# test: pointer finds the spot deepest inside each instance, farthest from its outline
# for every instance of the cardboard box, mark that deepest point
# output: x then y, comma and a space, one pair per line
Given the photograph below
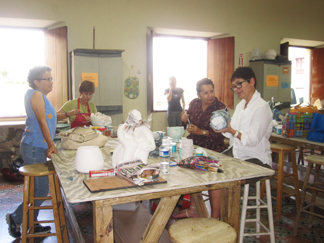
102, 173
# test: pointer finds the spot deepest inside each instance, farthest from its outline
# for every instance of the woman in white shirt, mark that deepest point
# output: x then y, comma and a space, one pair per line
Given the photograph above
249, 130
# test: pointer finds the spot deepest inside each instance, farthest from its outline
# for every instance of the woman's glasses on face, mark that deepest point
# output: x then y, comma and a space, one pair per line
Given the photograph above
238, 85
48, 79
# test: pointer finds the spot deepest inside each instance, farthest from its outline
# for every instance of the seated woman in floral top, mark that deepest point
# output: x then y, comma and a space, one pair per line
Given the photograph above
197, 120
199, 114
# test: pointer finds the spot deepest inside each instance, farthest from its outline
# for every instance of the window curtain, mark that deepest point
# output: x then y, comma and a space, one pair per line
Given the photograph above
220, 67
56, 56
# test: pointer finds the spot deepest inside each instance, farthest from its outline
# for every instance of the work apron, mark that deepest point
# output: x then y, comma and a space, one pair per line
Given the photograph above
79, 120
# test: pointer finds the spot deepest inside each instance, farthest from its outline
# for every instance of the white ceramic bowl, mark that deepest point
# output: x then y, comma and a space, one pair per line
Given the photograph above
270, 54
88, 158
175, 132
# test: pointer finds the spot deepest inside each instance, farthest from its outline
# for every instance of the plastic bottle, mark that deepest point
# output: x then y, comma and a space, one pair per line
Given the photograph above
173, 147
164, 153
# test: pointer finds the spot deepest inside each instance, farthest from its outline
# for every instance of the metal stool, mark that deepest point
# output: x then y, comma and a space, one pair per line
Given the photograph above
318, 160
204, 230
283, 149
259, 204
30, 172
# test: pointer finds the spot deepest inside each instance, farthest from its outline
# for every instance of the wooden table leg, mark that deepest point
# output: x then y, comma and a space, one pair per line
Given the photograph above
200, 204
160, 218
230, 206
103, 222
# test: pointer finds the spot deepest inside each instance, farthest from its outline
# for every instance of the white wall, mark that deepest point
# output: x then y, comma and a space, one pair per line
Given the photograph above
121, 24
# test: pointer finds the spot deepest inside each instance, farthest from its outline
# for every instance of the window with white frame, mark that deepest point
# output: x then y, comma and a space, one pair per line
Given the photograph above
183, 58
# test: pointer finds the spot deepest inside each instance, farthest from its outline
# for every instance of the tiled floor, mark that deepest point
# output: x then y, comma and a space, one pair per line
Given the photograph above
11, 195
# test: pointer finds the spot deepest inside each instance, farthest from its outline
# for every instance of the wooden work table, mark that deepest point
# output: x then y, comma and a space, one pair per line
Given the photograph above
179, 181
297, 141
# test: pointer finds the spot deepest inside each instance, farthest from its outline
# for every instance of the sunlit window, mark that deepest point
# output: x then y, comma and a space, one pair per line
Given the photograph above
20, 50
300, 74
183, 58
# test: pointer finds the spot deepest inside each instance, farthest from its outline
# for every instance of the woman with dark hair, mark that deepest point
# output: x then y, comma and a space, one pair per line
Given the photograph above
249, 129
197, 121
198, 117
79, 110
251, 125
37, 140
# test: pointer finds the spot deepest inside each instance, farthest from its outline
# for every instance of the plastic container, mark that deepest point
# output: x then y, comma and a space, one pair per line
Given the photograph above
199, 152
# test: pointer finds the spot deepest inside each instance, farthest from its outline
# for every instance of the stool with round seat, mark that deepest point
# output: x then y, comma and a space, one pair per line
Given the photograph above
204, 230
30, 172
258, 204
282, 150
318, 161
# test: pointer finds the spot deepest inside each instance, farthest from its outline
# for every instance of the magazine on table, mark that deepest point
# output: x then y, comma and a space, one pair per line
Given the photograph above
137, 172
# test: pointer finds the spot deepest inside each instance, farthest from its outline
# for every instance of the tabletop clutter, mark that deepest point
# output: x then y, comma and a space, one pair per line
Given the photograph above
132, 147
302, 121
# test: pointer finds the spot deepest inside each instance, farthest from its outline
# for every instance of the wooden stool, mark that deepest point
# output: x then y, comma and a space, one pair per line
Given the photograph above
259, 203
301, 154
30, 172
205, 230
318, 160
283, 149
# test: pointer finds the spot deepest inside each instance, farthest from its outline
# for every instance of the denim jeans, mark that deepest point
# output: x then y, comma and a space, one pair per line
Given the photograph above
33, 155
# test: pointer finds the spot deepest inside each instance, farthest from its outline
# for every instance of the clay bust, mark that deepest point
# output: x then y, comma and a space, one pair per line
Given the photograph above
135, 139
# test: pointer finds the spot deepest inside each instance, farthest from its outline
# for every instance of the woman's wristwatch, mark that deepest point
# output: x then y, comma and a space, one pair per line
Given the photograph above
204, 132
66, 114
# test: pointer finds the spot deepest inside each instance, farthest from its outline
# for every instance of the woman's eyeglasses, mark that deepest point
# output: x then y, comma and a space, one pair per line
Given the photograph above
238, 85
48, 79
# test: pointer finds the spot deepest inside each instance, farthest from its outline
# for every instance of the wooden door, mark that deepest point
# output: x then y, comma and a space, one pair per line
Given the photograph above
56, 55
284, 49
317, 75
220, 67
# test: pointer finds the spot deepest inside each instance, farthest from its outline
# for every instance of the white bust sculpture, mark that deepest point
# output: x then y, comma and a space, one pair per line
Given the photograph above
135, 139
